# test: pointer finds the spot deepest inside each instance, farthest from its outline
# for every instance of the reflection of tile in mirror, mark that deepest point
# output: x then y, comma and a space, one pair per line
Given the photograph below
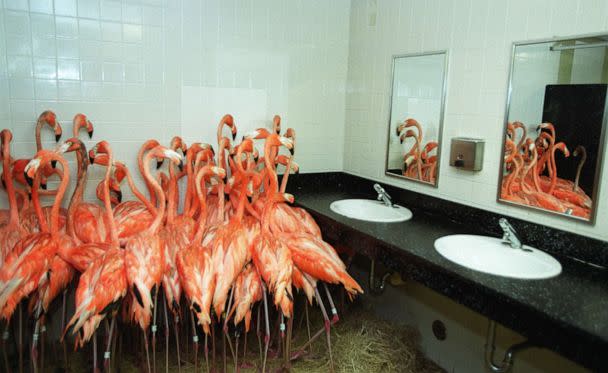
417, 94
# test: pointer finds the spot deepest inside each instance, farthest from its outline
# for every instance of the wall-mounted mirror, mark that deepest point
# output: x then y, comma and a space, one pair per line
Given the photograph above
556, 116
416, 116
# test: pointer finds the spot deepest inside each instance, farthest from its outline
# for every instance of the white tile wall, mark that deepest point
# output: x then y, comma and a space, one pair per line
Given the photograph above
478, 35
124, 63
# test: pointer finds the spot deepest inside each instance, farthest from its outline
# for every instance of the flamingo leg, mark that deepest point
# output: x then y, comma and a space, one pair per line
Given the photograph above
327, 328
212, 327
147, 348
267, 336
166, 337
42, 333
206, 352
176, 327
227, 336
95, 352
245, 348
153, 329
20, 340
107, 353
194, 342
5, 337
34, 351
236, 349
287, 355
63, 317
335, 318
307, 319
259, 333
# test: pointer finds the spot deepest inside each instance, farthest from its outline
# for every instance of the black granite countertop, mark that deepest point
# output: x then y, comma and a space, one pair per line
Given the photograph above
567, 313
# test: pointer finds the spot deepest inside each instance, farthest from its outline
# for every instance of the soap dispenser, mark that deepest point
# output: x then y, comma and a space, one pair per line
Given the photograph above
467, 153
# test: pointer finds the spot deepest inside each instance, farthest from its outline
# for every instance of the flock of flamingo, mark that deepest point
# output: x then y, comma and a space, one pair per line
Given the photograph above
531, 172
417, 162
230, 243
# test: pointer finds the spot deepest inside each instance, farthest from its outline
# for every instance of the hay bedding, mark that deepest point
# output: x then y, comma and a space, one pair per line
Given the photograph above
360, 343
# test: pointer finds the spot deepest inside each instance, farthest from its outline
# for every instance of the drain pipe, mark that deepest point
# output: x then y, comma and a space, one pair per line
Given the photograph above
507, 361
373, 288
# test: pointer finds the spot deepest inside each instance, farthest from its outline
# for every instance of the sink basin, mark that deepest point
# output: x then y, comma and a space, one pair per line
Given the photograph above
491, 255
370, 210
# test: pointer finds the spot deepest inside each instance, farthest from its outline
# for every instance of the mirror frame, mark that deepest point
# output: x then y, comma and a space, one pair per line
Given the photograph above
444, 83
600, 164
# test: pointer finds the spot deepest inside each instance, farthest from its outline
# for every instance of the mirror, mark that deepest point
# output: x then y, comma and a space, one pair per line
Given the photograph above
416, 116
555, 124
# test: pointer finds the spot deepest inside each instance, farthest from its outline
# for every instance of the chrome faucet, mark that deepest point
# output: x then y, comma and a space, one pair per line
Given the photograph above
509, 235
382, 195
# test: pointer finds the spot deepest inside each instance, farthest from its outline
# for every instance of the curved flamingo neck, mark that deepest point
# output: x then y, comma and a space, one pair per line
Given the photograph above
39, 125
140, 163
273, 183
553, 166
107, 202
60, 192
171, 194
42, 222
8, 180
579, 168
160, 195
77, 196
201, 193
137, 193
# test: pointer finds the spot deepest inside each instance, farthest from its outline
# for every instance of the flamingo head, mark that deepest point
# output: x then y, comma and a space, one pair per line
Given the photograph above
80, 121
260, 133
102, 147
178, 143
547, 126
563, 148
165, 153
6, 136
408, 133
70, 145
276, 124
50, 118
33, 166
229, 121
276, 140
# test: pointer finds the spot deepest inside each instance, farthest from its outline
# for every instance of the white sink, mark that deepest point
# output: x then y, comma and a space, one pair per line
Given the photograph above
370, 210
491, 255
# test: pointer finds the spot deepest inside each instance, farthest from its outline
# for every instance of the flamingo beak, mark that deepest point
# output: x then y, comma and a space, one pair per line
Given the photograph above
119, 196
250, 199
90, 134
234, 136
181, 165
159, 163
29, 180
43, 186
54, 163
57, 137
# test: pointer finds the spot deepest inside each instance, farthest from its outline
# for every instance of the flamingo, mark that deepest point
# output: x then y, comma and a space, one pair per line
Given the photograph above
10, 233
31, 257
103, 284
144, 260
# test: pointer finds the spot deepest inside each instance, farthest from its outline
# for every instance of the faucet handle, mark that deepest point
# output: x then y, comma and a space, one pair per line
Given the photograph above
379, 189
